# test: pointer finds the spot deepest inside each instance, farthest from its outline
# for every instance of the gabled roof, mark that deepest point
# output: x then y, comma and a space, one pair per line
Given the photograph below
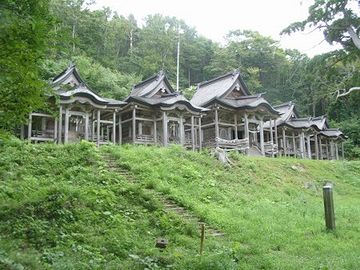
319, 123
287, 111
150, 86
333, 133
157, 91
68, 89
218, 88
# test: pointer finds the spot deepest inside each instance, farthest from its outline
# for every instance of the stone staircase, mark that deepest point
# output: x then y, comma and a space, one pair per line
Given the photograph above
170, 205
254, 152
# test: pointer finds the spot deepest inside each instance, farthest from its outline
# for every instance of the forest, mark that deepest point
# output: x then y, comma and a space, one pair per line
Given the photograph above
39, 38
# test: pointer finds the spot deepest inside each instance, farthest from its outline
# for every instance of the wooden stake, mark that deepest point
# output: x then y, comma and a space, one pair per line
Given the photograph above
329, 207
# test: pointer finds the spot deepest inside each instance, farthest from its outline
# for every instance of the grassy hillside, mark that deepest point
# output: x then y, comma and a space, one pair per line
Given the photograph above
61, 208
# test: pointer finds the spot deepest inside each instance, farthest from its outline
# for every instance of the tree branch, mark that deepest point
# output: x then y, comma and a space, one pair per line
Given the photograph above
343, 92
355, 38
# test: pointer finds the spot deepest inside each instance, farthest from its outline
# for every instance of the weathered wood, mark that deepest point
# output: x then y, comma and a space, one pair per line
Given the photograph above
192, 133
182, 130
120, 129
294, 143
134, 125
284, 142
329, 207
22, 132
327, 149
302, 144
165, 129
98, 118
336, 151
87, 126
66, 127
308, 146
55, 129
200, 134
114, 128
316, 146
30, 127
236, 125
276, 132
262, 148
320, 148
216, 123
271, 137
155, 130
342, 151
246, 126
332, 150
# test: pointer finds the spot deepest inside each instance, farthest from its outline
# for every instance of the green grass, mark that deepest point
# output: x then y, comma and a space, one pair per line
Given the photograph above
60, 208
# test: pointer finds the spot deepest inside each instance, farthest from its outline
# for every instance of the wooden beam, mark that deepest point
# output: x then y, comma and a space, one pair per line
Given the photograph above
316, 146
165, 129
236, 125
276, 132
200, 134
302, 144
308, 146
182, 131
336, 151
294, 143
320, 148
327, 149
55, 130
30, 127
155, 131
87, 126
216, 125
284, 142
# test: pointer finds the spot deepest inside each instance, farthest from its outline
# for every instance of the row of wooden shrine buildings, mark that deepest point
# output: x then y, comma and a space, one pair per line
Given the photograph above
222, 113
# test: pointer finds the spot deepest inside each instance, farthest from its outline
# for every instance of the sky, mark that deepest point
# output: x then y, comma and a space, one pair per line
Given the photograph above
214, 19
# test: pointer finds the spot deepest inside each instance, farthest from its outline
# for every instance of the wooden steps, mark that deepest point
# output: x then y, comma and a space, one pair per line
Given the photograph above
169, 204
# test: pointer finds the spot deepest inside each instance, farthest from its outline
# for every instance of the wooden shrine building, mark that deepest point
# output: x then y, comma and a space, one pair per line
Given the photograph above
82, 114
156, 114
235, 119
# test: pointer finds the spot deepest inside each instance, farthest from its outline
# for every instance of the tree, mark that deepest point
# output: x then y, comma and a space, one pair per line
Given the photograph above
337, 19
25, 31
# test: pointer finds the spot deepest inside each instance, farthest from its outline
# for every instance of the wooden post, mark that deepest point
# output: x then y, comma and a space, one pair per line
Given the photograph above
98, 127
30, 127
120, 129
114, 128
22, 132
302, 144
55, 129
332, 150
294, 143
165, 129
284, 141
134, 125
155, 131
316, 146
262, 148
336, 151
216, 126
276, 132
202, 237
329, 207
236, 126
320, 148
342, 151
66, 131
271, 138
308, 146
60, 125
192, 133
182, 131
327, 149
200, 134
86, 126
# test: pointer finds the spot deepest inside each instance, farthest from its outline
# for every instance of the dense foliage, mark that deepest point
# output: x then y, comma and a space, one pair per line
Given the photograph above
113, 52
61, 208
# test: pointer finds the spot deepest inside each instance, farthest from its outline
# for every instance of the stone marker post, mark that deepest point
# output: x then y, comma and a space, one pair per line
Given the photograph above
329, 207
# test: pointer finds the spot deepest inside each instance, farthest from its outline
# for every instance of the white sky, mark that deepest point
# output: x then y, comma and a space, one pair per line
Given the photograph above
214, 19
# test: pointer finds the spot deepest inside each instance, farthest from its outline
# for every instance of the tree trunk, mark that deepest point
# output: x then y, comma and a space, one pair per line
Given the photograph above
354, 37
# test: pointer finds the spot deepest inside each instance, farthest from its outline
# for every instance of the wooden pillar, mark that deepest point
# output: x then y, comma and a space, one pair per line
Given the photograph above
308, 146
262, 148
276, 132
66, 128
316, 146
284, 141
271, 138
342, 151
192, 133
22, 132
30, 127
86, 126
329, 207
55, 130
114, 128
236, 126
120, 129
246, 126
134, 124
294, 143
155, 131
216, 123
60, 125
327, 149
200, 134
98, 119
302, 144
165, 129
336, 150
182, 130
320, 148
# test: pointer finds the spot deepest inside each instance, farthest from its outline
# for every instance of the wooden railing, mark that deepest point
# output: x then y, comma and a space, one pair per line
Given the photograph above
239, 144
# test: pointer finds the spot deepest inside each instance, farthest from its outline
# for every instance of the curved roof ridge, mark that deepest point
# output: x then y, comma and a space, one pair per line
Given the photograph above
233, 73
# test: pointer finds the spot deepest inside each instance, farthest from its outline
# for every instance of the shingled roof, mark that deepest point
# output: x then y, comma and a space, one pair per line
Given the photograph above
69, 84
218, 88
333, 133
157, 91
